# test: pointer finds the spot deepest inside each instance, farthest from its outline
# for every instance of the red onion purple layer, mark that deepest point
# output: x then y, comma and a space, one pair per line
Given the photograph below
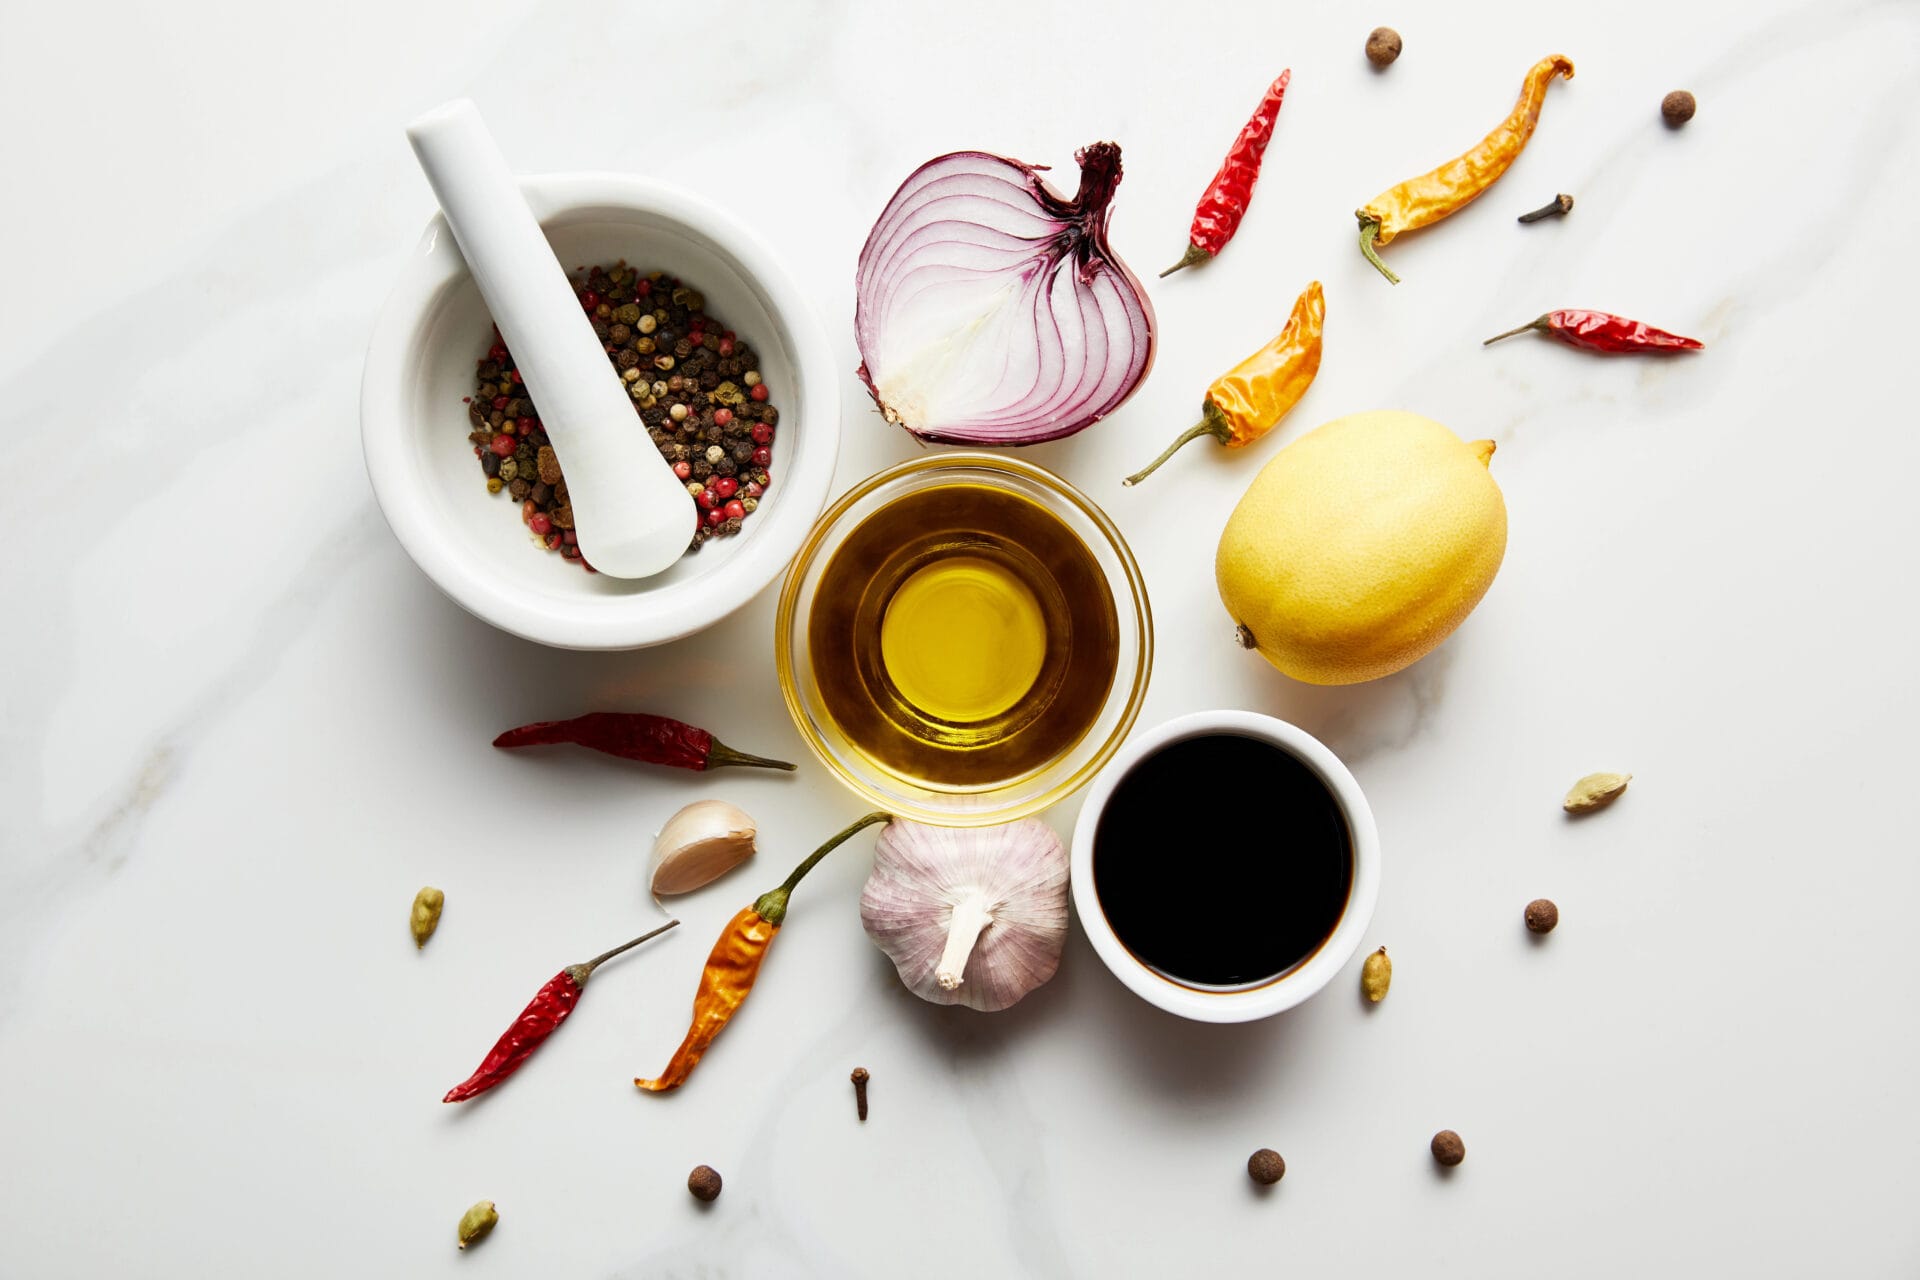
991, 310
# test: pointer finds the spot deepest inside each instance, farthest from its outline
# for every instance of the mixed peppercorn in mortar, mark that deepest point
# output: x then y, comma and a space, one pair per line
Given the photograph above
695, 386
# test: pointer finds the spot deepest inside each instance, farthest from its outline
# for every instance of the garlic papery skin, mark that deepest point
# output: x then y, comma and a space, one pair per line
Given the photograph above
974, 916
700, 844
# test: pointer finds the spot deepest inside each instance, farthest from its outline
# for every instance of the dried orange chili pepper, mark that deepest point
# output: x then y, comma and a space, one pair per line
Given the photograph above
734, 964
1248, 400
1430, 197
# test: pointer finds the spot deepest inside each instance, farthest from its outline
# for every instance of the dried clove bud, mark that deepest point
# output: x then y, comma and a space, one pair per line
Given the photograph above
1558, 207
860, 1077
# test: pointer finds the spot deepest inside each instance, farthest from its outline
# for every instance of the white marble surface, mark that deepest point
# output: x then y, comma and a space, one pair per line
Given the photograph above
240, 729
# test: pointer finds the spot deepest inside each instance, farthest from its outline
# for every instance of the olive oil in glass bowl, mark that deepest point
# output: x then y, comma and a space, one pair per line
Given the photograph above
964, 639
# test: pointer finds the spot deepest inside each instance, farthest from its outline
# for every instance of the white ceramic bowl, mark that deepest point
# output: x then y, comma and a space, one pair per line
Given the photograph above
1249, 1003
471, 543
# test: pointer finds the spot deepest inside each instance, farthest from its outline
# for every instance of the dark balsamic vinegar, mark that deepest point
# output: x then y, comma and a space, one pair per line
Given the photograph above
1222, 861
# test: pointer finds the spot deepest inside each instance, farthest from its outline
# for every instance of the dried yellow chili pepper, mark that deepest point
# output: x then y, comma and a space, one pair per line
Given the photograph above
1430, 197
1248, 400
734, 964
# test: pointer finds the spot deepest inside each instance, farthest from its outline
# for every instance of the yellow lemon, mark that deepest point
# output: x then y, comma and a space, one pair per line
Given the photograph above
1361, 546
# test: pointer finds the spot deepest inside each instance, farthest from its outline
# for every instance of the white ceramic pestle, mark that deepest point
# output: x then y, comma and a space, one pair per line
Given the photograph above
632, 516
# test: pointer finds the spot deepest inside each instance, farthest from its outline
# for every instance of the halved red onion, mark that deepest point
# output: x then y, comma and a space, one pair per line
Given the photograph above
990, 309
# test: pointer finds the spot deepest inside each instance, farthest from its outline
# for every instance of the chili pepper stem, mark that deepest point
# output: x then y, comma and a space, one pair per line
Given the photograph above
581, 972
1194, 256
1205, 427
772, 906
719, 754
1369, 230
1540, 324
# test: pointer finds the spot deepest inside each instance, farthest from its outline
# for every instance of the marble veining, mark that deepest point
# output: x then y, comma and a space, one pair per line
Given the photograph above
239, 729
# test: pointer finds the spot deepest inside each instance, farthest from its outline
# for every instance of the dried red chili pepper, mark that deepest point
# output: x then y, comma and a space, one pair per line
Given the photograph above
734, 965
540, 1019
1598, 331
633, 735
1228, 195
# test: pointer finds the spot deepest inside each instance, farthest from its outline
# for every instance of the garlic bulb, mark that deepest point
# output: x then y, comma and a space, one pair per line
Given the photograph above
700, 844
976, 916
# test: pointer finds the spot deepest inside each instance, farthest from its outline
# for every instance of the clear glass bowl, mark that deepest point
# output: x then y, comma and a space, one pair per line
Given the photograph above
977, 805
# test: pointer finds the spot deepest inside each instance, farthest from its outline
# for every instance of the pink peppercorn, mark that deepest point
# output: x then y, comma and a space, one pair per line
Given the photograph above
589, 300
762, 433
735, 510
726, 345
708, 498
752, 490
569, 537
717, 516
541, 523
503, 445
762, 456
553, 540
722, 416
500, 402
726, 486
516, 379
528, 510
497, 352
683, 469
644, 288
759, 391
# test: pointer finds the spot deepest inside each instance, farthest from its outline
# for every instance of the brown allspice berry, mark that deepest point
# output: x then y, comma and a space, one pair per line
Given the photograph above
1677, 108
1448, 1150
1383, 46
1542, 915
704, 1183
1266, 1167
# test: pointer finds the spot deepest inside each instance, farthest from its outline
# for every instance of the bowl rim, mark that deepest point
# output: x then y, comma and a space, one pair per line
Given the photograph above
1278, 994
784, 622
613, 622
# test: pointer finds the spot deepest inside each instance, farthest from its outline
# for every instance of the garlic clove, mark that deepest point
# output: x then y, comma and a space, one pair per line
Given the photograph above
699, 844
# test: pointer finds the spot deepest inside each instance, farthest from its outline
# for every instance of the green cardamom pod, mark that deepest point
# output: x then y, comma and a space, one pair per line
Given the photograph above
426, 914
477, 1221
1595, 791
1376, 975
